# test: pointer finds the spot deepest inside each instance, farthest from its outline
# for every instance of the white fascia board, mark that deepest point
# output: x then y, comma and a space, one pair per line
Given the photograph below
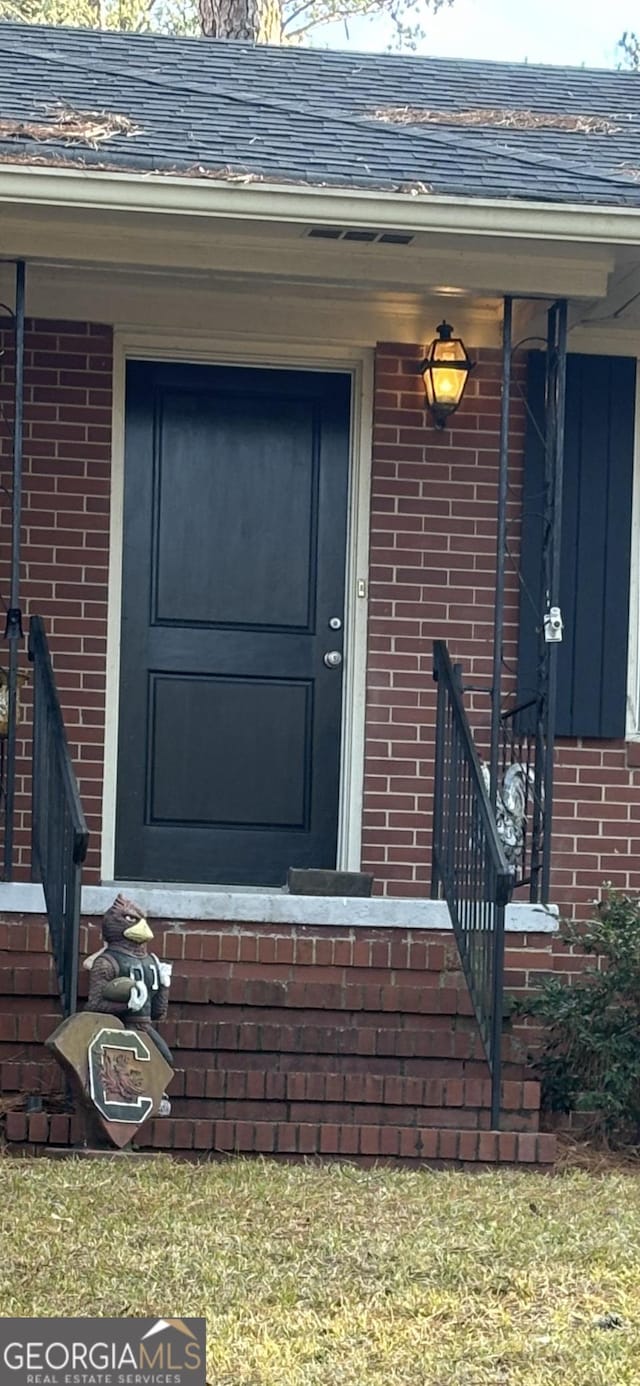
166, 194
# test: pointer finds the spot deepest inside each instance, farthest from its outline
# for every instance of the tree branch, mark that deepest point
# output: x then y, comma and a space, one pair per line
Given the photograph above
331, 14
320, 12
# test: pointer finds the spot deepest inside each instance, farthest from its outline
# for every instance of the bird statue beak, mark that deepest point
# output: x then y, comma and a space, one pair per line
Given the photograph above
138, 932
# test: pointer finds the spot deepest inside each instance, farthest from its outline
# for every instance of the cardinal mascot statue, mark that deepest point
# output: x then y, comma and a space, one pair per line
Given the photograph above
121, 1064
125, 979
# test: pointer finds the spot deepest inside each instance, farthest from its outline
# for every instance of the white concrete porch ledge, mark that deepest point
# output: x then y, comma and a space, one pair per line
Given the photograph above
274, 907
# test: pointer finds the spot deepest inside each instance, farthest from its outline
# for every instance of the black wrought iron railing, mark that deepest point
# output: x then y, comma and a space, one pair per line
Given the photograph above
469, 866
522, 821
58, 827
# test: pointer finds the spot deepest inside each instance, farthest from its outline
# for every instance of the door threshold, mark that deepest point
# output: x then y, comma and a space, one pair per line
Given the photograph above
191, 887
200, 904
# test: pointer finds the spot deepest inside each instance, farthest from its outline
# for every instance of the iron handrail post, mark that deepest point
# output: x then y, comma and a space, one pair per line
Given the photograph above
60, 836
39, 649
438, 785
537, 827
497, 1015
501, 541
442, 663
13, 629
555, 467
488, 879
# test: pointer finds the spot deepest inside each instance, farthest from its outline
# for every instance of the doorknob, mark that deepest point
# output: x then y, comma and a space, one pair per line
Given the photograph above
333, 659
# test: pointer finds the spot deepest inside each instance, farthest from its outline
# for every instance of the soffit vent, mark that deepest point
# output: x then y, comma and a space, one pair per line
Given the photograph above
342, 233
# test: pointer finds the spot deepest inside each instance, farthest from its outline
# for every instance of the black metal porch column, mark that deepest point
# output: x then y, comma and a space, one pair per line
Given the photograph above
13, 628
501, 544
554, 465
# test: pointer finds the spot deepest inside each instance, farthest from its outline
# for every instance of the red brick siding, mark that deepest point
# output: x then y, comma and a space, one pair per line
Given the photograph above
433, 544
432, 575
65, 536
433, 528
596, 822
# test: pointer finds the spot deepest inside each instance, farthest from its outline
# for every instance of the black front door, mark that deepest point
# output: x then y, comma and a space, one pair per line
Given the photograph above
234, 558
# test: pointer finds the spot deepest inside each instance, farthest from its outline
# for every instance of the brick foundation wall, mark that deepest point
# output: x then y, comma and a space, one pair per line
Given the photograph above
317, 980
293, 1040
65, 538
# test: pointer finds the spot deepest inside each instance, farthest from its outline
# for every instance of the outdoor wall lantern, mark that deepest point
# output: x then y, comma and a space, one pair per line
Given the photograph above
445, 371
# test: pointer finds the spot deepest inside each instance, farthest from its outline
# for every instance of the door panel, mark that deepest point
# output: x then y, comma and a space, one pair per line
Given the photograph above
255, 731
272, 478
234, 556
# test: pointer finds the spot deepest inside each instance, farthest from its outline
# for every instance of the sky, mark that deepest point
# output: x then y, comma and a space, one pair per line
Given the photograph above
573, 32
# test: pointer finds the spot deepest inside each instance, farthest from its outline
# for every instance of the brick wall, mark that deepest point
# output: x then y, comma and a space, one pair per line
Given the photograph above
65, 536
433, 533
432, 576
433, 546
596, 821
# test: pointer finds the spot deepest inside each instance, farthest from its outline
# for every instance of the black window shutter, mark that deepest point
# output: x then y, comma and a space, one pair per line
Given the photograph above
596, 542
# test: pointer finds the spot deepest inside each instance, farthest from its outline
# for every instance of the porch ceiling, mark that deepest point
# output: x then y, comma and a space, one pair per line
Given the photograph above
611, 325
429, 263
485, 266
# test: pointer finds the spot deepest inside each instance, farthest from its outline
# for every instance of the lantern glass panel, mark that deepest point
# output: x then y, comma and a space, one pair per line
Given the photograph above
445, 386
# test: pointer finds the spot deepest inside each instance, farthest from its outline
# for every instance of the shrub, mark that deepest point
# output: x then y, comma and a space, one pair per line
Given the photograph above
590, 1056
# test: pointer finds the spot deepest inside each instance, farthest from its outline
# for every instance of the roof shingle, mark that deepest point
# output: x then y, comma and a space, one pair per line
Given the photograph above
232, 109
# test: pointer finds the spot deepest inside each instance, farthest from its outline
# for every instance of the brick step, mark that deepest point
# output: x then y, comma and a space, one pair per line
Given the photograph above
247, 1109
222, 984
352, 1088
28, 1019
361, 1142
329, 1042
212, 994
425, 993
40, 1074
204, 1027
35, 977
323, 1035
219, 1094
337, 989
30, 1068
328, 1034
346, 1114
272, 947
319, 1031
395, 1048
419, 1017
429, 1097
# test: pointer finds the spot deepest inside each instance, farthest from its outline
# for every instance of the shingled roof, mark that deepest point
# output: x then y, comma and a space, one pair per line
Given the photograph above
231, 110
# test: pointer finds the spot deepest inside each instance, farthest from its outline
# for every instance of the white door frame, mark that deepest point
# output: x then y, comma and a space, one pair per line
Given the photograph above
354, 361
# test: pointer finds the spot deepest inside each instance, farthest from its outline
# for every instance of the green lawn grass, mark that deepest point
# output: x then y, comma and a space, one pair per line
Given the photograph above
334, 1276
